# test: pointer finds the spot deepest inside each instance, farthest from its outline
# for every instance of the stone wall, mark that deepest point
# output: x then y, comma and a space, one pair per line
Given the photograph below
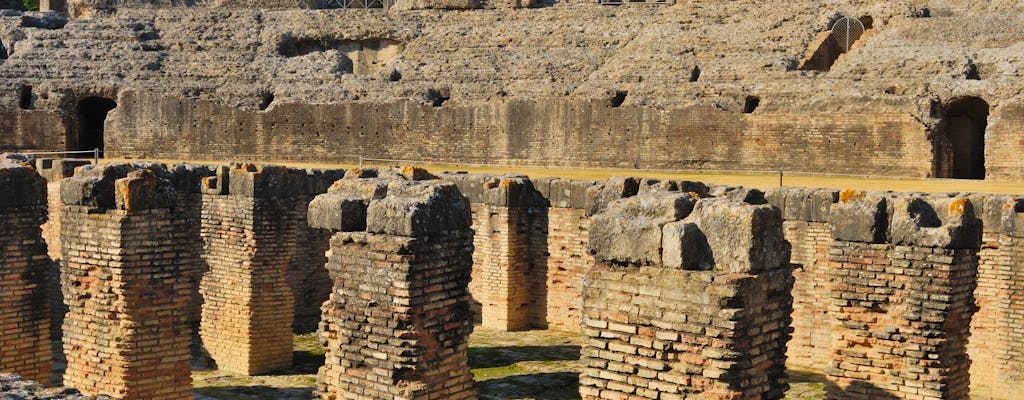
902, 276
24, 274
685, 304
523, 133
398, 321
254, 229
126, 261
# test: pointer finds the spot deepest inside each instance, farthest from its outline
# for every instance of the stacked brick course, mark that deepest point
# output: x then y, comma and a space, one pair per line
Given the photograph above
805, 213
686, 308
252, 217
54, 171
126, 254
398, 320
997, 342
902, 296
24, 270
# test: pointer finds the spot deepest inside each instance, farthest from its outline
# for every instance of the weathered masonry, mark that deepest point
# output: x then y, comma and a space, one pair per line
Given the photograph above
398, 321
689, 297
125, 277
24, 273
889, 294
259, 255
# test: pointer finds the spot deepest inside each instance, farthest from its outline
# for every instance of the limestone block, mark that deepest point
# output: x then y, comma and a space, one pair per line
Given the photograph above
684, 246
802, 204
219, 184
361, 173
264, 181
737, 193
859, 217
509, 192
598, 196
930, 222
366, 188
93, 185
418, 208
21, 185
142, 190
188, 178
620, 239
742, 238
56, 169
338, 213
648, 185
674, 206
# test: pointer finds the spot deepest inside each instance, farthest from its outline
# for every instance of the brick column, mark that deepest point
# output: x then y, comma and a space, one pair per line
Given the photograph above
686, 308
256, 238
805, 214
996, 338
125, 251
902, 296
24, 304
54, 171
398, 321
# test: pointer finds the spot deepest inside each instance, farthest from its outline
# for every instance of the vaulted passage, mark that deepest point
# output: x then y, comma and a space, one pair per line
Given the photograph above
963, 128
92, 113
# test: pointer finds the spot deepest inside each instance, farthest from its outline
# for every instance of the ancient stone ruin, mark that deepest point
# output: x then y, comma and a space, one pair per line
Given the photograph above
689, 297
397, 323
679, 288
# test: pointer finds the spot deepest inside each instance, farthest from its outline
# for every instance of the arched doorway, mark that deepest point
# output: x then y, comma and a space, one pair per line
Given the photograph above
92, 113
963, 126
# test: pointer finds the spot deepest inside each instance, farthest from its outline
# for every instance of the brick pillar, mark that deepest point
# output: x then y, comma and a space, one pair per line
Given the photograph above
686, 308
902, 297
125, 252
54, 171
805, 214
398, 321
249, 230
24, 304
996, 340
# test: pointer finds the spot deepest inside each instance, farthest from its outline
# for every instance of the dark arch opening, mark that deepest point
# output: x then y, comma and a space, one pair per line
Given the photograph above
750, 105
963, 127
92, 113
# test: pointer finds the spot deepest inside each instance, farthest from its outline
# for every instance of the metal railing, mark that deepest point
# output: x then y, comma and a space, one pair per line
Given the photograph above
95, 153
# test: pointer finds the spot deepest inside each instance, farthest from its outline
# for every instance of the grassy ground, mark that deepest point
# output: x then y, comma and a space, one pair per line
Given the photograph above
754, 180
542, 365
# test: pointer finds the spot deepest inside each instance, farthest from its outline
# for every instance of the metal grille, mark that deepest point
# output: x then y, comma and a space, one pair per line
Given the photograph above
846, 31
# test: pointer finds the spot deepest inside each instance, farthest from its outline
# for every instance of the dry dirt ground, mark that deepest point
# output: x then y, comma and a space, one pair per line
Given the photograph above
507, 365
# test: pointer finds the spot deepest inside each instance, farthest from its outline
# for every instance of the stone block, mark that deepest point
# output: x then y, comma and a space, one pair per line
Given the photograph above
648, 185
264, 181
142, 190
935, 222
684, 246
509, 192
219, 183
414, 209
620, 239
598, 196
674, 206
320, 180
21, 186
743, 238
860, 217
188, 178
334, 212
56, 169
366, 189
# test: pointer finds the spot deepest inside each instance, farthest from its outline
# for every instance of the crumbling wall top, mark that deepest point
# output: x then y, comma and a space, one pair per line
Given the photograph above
683, 231
131, 186
20, 185
905, 219
410, 203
